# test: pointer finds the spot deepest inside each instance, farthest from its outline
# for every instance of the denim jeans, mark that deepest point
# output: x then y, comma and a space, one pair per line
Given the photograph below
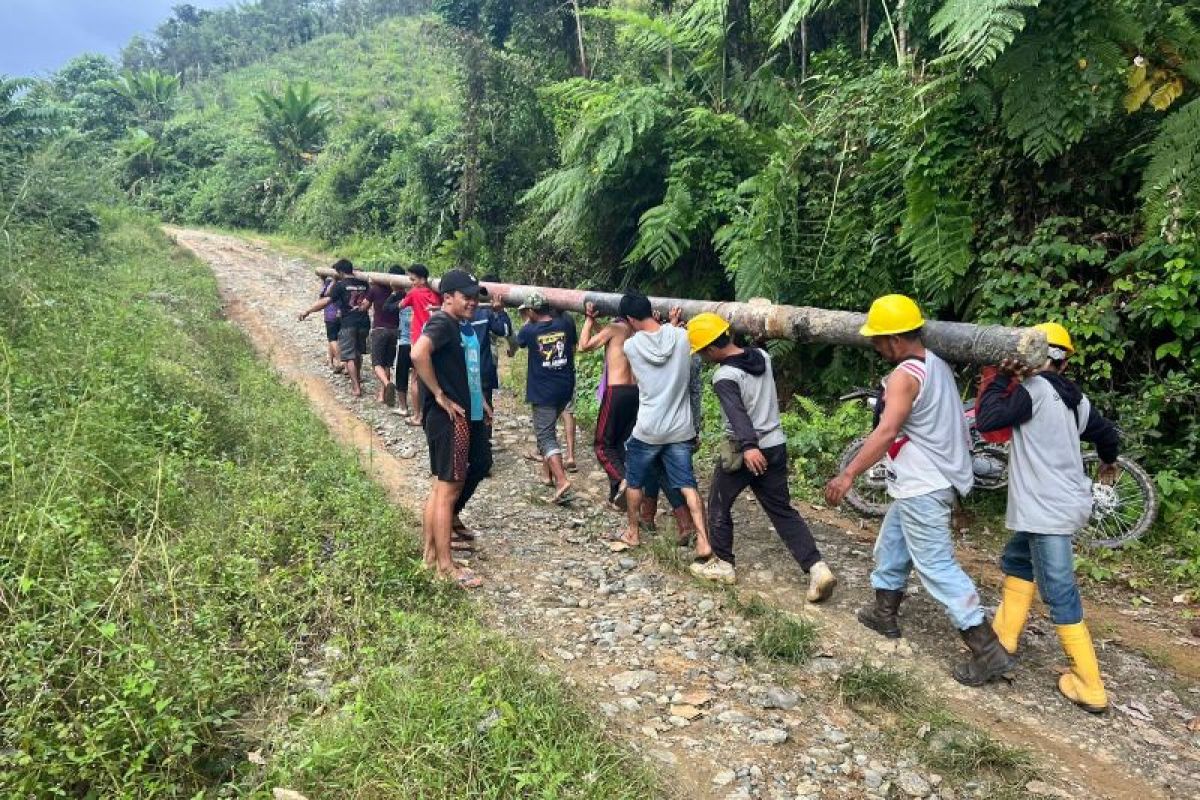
915, 534
676, 460
1049, 561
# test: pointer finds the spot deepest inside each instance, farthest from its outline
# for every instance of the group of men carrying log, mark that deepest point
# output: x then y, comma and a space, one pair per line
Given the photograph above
648, 427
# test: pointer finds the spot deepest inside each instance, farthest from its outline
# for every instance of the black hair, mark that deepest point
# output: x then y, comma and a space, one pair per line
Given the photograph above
915, 335
343, 265
635, 306
395, 269
721, 341
420, 270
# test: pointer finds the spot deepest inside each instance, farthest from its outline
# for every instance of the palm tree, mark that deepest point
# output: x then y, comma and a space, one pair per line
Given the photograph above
294, 123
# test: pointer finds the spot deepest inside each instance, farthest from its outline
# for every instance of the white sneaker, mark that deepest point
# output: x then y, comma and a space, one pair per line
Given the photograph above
714, 569
821, 581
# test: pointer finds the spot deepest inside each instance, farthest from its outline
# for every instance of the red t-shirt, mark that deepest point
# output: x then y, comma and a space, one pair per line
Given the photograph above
423, 301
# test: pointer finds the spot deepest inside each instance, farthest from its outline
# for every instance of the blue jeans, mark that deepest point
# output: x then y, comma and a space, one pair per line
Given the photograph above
1049, 561
676, 459
654, 487
915, 534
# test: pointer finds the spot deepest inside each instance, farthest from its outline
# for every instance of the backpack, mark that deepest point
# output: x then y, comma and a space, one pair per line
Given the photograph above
986, 377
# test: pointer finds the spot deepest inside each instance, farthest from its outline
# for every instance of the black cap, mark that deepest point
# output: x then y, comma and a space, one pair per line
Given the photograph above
458, 280
420, 270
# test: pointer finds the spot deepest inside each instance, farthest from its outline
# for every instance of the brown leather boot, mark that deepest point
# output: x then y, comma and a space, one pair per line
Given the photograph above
884, 616
989, 660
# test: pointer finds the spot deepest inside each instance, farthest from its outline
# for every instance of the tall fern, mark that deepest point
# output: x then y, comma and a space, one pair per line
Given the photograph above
1171, 182
937, 233
976, 31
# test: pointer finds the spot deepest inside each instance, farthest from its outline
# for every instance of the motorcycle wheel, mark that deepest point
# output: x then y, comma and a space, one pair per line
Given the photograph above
868, 496
1122, 512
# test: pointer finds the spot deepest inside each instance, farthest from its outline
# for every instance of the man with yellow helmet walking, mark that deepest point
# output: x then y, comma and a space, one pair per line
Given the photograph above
921, 431
754, 455
1049, 499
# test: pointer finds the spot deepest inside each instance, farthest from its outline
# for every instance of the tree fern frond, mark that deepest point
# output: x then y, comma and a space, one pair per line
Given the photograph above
797, 12
664, 231
1171, 181
937, 233
976, 31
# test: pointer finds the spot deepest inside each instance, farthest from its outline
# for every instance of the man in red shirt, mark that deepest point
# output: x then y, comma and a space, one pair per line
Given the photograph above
423, 301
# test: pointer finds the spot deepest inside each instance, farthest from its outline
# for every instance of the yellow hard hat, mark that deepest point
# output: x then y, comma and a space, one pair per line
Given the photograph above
891, 314
1056, 336
704, 329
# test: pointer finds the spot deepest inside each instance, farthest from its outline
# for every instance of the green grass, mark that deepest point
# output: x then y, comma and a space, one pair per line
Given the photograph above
182, 545
879, 686
784, 637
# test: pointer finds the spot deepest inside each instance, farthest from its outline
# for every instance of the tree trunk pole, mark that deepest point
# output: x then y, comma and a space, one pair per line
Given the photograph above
960, 342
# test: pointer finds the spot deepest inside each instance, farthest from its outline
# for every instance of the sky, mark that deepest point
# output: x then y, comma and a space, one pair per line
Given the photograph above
39, 36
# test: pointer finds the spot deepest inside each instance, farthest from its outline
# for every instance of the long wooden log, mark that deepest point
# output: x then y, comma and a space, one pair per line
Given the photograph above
960, 342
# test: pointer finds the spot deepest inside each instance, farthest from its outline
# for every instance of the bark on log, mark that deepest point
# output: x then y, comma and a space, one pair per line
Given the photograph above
960, 342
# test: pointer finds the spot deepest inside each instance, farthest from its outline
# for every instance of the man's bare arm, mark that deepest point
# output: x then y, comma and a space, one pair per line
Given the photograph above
901, 393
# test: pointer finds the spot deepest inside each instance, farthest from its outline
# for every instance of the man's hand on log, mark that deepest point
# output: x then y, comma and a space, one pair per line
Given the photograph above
837, 489
676, 317
1017, 369
589, 310
497, 303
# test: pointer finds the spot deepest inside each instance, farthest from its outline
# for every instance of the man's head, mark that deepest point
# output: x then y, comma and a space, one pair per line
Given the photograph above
460, 294
636, 310
395, 269
894, 325
1059, 346
535, 306
419, 274
709, 336
343, 267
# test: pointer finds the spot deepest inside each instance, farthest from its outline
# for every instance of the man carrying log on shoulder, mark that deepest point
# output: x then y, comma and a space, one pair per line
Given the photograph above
921, 430
753, 455
1049, 500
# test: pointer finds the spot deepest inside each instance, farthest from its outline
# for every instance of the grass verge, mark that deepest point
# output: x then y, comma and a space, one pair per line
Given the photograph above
200, 589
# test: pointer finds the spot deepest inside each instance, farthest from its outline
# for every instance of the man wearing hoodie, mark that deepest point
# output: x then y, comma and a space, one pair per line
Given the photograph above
920, 429
756, 458
661, 359
1049, 500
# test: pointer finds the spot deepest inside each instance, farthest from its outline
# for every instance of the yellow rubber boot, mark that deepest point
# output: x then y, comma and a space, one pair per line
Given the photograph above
1016, 598
1082, 684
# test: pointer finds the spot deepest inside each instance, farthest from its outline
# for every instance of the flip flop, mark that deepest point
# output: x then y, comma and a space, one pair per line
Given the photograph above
464, 534
461, 546
564, 496
535, 457
570, 466
412, 423
466, 579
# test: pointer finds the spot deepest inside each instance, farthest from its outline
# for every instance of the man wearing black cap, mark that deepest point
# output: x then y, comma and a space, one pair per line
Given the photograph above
446, 358
349, 295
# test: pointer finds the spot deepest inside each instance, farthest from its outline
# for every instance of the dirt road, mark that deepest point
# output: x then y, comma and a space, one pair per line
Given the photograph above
665, 659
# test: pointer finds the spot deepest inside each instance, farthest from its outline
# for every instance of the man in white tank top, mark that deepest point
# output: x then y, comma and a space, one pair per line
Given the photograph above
921, 432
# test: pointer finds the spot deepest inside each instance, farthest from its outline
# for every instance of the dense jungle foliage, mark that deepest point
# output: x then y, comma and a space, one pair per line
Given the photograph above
1003, 160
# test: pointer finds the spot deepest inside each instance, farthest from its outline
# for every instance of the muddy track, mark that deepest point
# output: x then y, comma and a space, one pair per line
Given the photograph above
659, 656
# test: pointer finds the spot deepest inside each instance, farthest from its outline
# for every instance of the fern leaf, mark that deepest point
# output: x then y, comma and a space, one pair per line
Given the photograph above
797, 12
1171, 182
937, 232
977, 31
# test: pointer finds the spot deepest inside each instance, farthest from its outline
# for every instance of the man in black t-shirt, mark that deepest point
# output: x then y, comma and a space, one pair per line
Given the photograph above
456, 416
349, 296
550, 382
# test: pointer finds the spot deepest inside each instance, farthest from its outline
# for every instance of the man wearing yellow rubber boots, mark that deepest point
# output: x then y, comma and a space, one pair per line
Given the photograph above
921, 431
1049, 499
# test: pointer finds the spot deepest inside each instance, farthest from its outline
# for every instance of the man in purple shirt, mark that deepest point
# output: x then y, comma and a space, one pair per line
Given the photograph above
385, 320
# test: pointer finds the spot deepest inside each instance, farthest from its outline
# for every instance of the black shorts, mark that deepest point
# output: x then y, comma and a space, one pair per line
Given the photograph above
352, 342
383, 347
456, 447
332, 328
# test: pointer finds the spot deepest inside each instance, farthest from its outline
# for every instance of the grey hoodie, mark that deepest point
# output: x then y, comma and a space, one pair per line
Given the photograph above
662, 364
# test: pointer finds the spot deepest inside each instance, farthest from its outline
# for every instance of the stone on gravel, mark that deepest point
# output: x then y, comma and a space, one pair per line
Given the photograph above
631, 680
780, 698
724, 777
732, 717
769, 736
912, 784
